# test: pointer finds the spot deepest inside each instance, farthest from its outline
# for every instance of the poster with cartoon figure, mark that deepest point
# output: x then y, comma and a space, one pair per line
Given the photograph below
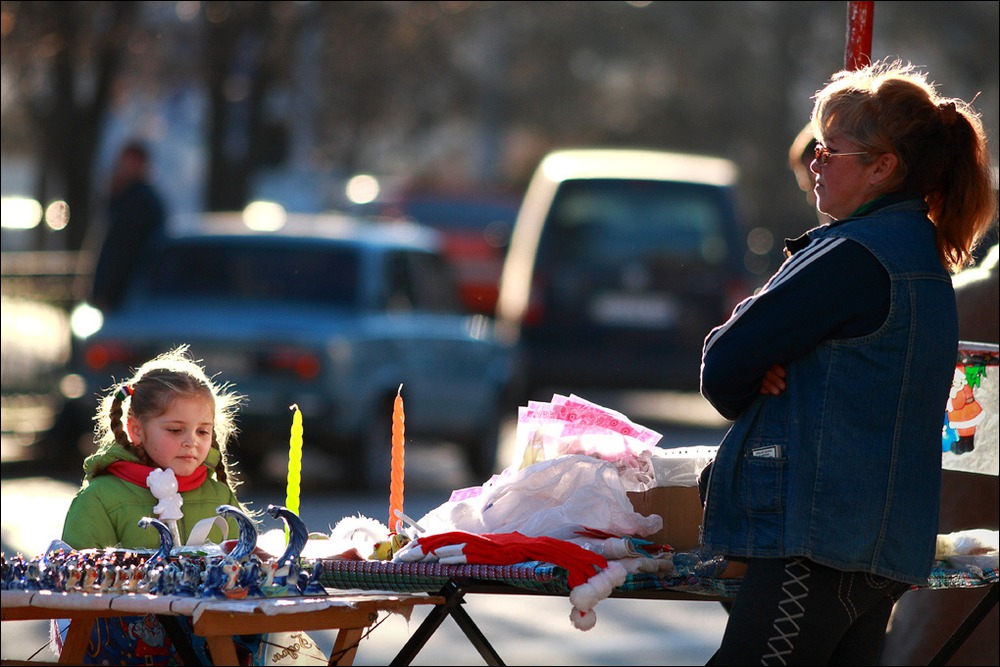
970, 433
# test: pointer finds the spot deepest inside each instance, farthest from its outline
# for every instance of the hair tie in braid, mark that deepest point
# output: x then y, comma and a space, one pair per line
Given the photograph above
124, 392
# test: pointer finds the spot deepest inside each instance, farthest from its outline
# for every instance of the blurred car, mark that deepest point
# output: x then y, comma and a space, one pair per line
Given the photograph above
328, 313
619, 264
475, 226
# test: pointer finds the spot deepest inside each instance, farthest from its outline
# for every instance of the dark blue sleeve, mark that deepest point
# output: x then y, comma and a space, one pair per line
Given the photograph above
831, 289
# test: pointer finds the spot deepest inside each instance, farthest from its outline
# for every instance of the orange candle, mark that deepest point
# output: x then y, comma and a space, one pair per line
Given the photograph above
396, 479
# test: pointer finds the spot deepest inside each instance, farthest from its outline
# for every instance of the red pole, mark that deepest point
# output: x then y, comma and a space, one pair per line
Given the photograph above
858, 53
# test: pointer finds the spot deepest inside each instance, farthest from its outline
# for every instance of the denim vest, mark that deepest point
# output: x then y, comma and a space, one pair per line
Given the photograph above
856, 485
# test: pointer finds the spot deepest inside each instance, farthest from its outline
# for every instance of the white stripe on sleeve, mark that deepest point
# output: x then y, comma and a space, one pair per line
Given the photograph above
786, 272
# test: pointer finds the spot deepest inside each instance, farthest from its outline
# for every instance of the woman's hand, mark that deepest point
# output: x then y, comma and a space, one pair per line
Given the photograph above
774, 380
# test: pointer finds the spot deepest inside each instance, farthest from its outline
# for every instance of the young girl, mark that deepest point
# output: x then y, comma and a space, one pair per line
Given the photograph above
168, 416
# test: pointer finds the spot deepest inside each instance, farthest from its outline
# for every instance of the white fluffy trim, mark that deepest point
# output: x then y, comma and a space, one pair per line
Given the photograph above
586, 596
360, 529
583, 620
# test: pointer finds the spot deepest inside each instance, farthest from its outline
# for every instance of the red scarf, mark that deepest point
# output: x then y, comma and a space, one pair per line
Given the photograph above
137, 473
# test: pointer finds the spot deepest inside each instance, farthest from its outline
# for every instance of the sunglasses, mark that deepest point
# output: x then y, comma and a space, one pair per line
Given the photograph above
823, 154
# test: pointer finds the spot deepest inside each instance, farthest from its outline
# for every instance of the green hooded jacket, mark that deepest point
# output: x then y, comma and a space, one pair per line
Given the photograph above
106, 510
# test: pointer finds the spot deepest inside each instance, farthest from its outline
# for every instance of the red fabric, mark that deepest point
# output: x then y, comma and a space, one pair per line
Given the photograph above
137, 473
511, 548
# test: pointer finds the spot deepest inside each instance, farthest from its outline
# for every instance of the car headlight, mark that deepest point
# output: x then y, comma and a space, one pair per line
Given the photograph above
85, 320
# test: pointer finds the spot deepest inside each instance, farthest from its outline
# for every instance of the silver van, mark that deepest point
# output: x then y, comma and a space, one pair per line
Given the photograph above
620, 262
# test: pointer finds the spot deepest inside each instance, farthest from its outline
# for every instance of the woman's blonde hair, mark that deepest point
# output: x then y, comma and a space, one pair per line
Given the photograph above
890, 107
149, 394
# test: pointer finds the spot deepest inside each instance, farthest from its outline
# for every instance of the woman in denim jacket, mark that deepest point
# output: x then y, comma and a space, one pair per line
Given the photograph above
836, 376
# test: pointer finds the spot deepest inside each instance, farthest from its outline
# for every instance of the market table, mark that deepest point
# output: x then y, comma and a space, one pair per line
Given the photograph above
218, 620
452, 582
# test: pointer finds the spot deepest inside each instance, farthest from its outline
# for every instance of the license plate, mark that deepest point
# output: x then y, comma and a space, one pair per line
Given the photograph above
649, 310
225, 363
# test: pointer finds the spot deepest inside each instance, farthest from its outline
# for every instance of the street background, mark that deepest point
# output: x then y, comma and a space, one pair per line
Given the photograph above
288, 101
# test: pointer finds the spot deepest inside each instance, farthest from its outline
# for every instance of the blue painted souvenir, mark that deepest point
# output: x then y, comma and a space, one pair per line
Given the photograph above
313, 585
247, 541
214, 581
298, 534
166, 540
190, 578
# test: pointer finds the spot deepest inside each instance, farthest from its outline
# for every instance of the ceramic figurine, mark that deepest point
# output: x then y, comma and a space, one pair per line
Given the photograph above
166, 539
71, 576
166, 580
32, 576
50, 579
232, 586
253, 577
149, 578
214, 580
118, 581
135, 576
190, 578
247, 541
312, 585
269, 569
298, 534
90, 576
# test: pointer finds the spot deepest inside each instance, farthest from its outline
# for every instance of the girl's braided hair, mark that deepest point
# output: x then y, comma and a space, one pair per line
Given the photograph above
150, 392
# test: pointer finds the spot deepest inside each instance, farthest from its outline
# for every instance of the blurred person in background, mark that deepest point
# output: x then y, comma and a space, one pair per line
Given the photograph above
135, 226
836, 373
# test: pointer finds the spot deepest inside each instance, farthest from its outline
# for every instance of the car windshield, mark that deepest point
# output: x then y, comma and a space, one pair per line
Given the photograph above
608, 220
253, 272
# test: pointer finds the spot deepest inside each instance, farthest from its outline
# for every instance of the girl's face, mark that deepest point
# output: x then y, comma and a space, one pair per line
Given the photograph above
844, 182
181, 437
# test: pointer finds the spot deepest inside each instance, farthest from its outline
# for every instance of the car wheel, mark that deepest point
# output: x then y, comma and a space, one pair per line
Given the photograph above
481, 452
369, 457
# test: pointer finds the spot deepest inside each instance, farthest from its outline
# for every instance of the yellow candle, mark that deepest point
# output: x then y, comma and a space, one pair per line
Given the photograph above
396, 478
294, 483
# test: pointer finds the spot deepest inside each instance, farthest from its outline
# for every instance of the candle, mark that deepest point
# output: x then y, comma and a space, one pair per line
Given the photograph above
294, 480
396, 478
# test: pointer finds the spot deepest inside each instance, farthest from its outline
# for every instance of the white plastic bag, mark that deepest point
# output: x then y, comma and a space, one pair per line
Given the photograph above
557, 498
977, 548
574, 425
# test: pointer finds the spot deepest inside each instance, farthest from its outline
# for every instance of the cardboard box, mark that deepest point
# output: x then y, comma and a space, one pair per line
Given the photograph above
681, 510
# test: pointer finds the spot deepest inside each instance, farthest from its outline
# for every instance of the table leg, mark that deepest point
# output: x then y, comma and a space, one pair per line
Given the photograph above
345, 648
77, 638
970, 623
222, 649
476, 636
453, 599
